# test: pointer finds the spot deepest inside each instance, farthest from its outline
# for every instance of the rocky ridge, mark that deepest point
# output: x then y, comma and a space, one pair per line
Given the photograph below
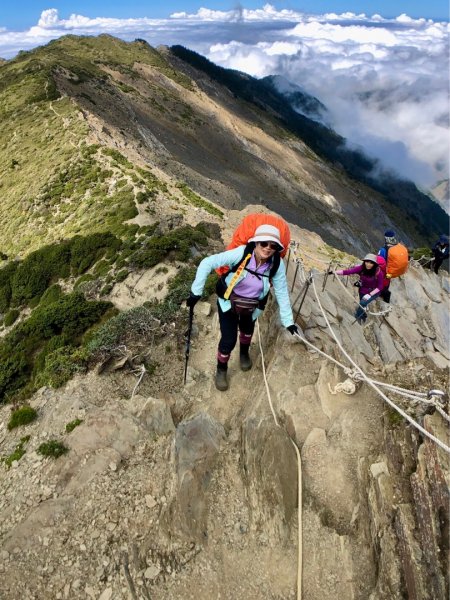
192, 493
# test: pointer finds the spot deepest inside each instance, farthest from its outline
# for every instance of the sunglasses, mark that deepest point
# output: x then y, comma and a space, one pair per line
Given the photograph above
272, 245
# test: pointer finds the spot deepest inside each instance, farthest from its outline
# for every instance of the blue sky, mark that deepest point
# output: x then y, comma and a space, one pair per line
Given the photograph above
29, 11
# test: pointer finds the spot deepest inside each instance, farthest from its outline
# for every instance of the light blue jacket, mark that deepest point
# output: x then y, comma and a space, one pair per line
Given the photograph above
233, 257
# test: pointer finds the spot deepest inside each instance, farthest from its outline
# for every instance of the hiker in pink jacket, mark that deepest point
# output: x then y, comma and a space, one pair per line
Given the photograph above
371, 283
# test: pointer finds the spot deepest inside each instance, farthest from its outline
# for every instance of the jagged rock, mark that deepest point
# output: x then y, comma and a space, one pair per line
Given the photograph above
334, 569
324, 470
407, 332
197, 445
411, 555
270, 470
388, 350
204, 308
413, 293
332, 405
298, 424
153, 414
438, 360
440, 318
432, 514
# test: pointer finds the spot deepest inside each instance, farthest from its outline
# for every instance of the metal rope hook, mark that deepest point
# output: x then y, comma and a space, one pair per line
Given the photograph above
439, 395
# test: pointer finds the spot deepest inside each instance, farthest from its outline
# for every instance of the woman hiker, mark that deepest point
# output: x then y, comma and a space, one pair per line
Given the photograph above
243, 293
371, 282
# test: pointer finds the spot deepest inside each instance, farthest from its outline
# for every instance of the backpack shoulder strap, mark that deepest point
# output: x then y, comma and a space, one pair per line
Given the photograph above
275, 265
247, 250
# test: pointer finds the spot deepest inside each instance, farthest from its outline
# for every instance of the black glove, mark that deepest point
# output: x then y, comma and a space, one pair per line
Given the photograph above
292, 329
192, 300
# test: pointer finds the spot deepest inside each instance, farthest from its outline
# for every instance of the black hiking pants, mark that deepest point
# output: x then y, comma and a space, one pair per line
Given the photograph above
230, 323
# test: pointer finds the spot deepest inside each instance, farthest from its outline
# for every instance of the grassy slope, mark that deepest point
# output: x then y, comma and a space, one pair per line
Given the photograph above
53, 185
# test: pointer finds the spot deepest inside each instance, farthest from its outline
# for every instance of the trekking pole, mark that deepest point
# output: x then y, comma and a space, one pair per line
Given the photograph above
188, 341
306, 287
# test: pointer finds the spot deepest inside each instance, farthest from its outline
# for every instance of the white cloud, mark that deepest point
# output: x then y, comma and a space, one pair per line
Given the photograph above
384, 81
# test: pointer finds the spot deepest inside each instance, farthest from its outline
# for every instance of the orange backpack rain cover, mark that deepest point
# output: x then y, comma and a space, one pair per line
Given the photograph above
246, 230
397, 261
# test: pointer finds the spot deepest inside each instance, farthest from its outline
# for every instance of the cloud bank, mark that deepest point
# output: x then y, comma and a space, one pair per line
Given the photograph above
384, 81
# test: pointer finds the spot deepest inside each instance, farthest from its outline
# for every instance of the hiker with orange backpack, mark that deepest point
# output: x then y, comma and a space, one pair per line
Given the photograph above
370, 284
243, 293
396, 257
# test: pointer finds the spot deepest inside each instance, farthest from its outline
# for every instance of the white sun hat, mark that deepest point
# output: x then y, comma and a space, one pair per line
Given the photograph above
267, 233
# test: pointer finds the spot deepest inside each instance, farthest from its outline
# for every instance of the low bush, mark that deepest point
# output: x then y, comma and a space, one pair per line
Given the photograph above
61, 365
420, 252
52, 448
51, 294
19, 451
178, 243
122, 275
11, 317
22, 416
72, 424
6, 276
136, 324
61, 323
25, 282
87, 250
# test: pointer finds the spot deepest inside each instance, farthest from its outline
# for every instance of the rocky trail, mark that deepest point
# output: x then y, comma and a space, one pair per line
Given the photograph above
194, 494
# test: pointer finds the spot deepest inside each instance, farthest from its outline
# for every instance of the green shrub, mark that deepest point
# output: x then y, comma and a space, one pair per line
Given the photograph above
61, 365
6, 276
101, 268
106, 289
117, 156
22, 416
419, 252
122, 275
83, 279
72, 424
394, 418
137, 323
87, 250
52, 448
34, 274
11, 317
177, 242
51, 294
19, 451
65, 320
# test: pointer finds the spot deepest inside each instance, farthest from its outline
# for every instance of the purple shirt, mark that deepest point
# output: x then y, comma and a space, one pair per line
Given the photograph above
251, 286
369, 283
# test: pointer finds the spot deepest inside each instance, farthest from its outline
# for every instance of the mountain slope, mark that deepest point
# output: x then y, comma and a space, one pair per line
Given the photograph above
62, 103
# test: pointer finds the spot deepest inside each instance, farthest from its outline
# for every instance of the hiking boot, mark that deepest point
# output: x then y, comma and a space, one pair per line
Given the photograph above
221, 380
245, 362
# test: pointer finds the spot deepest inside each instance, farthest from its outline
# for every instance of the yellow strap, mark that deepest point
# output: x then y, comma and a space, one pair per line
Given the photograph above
236, 277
